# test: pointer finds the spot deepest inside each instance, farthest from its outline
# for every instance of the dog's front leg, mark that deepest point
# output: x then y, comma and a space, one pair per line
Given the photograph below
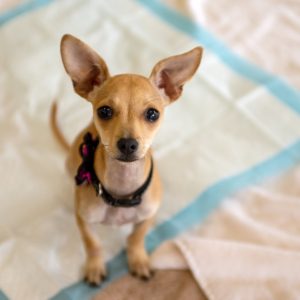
94, 271
138, 258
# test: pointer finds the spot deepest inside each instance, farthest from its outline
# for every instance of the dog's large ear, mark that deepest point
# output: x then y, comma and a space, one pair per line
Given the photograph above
169, 75
85, 67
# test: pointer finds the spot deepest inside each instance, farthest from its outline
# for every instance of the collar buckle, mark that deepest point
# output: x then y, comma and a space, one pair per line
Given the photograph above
100, 190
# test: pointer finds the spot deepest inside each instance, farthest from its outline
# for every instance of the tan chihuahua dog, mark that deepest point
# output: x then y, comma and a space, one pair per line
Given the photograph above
116, 179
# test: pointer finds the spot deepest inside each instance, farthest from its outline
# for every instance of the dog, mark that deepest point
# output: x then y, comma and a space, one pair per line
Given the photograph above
116, 179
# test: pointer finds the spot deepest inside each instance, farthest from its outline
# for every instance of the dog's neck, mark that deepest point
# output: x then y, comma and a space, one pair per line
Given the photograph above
121, 179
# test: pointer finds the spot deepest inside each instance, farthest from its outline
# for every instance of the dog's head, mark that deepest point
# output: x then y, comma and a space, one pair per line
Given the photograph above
127, 109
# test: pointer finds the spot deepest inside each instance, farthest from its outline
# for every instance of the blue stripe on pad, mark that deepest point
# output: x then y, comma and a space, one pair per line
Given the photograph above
2, 296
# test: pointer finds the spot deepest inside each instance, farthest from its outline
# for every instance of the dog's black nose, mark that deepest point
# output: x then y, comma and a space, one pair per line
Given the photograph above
127, 146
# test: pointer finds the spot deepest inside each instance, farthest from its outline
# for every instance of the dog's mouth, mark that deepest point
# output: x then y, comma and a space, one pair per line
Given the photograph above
123, 157
127, 159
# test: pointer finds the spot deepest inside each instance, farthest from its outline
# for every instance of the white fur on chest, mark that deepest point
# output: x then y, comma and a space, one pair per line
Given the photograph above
123, 178
94, 210
125, 215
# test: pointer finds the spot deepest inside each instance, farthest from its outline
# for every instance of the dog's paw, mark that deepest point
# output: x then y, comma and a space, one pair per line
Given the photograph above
139, 266
95, 271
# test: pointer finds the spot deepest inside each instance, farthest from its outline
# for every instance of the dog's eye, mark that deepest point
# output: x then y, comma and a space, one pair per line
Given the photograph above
151, 114
105, 112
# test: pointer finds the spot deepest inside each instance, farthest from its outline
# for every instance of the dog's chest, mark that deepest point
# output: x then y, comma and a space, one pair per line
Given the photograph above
93, 209
121, 215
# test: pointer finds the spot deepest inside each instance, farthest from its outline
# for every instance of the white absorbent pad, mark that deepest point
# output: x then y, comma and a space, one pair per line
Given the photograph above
234, 125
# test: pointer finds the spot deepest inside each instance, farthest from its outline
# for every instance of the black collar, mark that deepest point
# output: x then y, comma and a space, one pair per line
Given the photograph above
86, 174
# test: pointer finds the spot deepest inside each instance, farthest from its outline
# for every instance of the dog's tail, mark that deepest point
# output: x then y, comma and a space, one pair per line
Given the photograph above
57, 133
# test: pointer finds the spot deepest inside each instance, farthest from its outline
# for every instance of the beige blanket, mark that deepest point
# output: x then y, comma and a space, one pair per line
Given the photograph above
265, 32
